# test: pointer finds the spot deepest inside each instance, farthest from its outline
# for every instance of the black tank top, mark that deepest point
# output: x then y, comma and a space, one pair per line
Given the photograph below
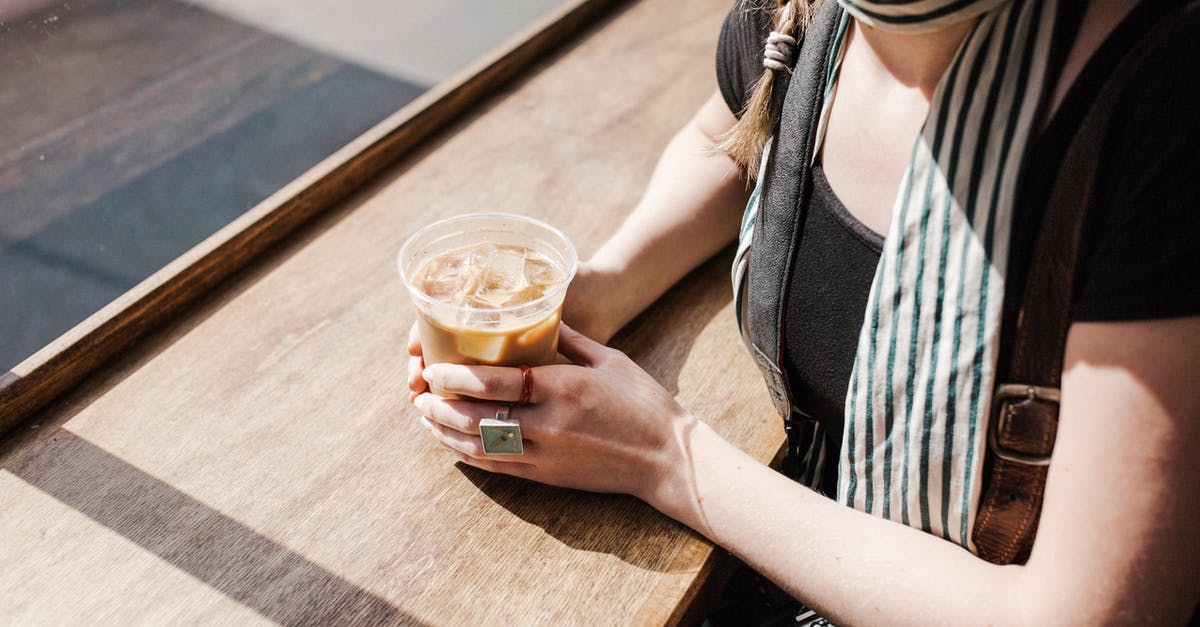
835, 264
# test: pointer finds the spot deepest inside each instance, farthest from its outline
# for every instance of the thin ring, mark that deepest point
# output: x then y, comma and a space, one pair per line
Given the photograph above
526, 385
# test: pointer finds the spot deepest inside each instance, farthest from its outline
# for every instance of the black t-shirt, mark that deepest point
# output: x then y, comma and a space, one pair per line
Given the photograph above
1141, 248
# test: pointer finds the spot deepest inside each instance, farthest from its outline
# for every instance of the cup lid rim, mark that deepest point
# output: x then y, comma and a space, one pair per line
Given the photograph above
573, 257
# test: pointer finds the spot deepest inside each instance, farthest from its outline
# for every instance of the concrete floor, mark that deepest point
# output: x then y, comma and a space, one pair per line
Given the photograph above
421, 41
109, 168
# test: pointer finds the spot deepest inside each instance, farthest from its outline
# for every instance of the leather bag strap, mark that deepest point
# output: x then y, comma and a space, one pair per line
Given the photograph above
1024, 419
780, 214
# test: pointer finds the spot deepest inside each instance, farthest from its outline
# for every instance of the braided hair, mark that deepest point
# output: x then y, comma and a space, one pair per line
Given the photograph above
745, 141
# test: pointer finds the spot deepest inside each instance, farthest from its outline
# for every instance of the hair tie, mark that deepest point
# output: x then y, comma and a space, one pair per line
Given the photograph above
778, 52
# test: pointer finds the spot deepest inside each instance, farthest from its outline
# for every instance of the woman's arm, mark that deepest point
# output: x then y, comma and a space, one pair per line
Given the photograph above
1118, 537
690, 210
1118, 540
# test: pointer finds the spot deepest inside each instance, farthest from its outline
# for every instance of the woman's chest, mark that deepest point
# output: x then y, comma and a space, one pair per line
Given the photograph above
871, 127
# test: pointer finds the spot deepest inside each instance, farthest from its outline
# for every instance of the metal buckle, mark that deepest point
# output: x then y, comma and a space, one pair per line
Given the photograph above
1018, 390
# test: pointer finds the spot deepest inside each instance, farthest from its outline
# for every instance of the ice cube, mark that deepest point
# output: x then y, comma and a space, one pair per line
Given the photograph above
443, 276
505, 270
483, 314
529, 294
486, 348
471, 281
444, 266
442, 290
540, 271
539, 331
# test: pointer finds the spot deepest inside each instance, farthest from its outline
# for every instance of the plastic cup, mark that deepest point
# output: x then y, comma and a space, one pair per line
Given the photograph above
519, 334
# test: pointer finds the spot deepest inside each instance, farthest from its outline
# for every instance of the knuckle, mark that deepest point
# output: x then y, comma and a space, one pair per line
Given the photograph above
431, 406
465, 451
570, 385
573, 422
614, 356
606, 354
492, 381
470, 415
448, 411
488, 465
552, 429
473, 449
581, 394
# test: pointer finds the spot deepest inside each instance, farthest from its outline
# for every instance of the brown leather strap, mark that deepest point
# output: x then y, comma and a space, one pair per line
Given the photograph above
1025, 409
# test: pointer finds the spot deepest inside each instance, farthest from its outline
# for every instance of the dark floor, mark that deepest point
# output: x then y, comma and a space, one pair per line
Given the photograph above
136, 128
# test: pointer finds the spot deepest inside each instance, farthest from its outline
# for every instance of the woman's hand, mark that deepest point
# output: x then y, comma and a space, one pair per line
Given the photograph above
416, 364
601, 424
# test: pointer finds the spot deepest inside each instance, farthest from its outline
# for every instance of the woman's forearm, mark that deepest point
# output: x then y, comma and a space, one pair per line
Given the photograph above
690, 210
851, 567
1117, 539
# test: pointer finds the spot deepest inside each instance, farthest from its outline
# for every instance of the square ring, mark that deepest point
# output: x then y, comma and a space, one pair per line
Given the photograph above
501, 437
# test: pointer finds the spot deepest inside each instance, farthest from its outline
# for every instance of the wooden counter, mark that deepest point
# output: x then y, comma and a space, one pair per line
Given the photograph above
257, 461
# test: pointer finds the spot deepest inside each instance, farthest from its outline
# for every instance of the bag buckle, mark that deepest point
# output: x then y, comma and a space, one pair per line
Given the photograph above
1013, 391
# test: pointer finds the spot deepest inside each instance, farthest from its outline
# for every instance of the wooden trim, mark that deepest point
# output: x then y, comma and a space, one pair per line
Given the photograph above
89, 345
699, 598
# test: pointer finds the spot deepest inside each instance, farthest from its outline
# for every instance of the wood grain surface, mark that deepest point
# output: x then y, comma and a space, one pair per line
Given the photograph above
121, 101
103, 335
256, 460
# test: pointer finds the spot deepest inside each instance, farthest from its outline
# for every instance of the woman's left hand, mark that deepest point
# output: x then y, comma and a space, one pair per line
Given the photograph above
601, 424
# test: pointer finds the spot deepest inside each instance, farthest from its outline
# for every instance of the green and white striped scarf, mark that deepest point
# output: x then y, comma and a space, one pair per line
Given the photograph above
920, 390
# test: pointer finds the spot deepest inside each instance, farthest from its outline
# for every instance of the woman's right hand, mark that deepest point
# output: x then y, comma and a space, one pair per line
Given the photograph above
598, 423
416, 365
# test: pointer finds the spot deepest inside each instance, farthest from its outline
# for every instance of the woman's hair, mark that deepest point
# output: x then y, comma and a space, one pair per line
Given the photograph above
745, 141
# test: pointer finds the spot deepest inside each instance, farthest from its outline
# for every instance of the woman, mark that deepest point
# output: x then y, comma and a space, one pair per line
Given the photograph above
991, 91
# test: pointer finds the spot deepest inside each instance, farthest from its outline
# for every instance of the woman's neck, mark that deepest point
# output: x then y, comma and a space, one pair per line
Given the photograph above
915, 60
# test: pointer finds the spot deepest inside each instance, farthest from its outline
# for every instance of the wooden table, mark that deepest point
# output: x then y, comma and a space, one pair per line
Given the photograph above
256, 461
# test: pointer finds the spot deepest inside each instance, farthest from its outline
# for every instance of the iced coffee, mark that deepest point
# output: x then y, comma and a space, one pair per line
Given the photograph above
489, 284
488, 289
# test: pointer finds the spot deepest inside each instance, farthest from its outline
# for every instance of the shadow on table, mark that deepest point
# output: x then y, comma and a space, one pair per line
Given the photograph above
617, 525
661, 338
659, 341
278, 583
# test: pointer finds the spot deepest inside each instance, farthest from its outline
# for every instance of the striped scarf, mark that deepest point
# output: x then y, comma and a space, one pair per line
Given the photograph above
918, 402
916, 16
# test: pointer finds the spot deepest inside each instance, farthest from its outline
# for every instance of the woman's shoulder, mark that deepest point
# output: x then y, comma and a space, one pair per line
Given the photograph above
1142, 248
740, 50
750, 17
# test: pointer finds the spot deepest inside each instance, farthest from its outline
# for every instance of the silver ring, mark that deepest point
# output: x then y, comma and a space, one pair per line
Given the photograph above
501, 435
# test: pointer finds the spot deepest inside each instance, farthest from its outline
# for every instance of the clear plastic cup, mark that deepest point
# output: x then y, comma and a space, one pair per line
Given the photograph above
487, 325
